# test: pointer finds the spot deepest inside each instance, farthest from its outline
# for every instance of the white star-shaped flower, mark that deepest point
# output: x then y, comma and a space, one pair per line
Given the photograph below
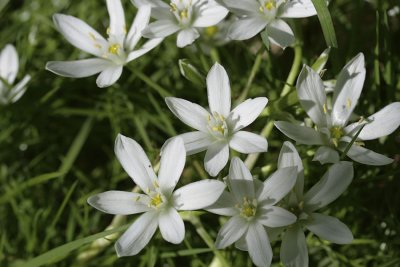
332, 131
110, 55
219, 128
182, 16
8, 72
258, 15
251, 204
160, 203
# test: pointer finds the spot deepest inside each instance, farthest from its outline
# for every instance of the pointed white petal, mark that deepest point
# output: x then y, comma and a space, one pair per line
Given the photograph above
245, 113
312, 97
294, 251
368, 157
171, 226
186, 37
272, 216
149, 45
278, 185
246, 142
325, 154
137, 236
135, 162
171, 166
330, 228
9, 63
140, 22
280, 33
348, 89
198, 195
109, 76
117, 18
225, 205
196, 142
189, 113
217, 156
298, 9
258, 244
383, 122
78, 68
300, 134
330, 187
240, 180
246, 28
119, 202
241, 244
160, 29
241, 8
210, 14
219, 90
19, 89
80, 35
231, 231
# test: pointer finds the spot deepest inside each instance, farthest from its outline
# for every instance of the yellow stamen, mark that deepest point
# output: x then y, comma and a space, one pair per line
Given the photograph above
108, 31
248, 209
91, 35
156, 201
184, 14
113, 49
337, 132
348, 102
270, 5
173, 7
211, 31
325, 109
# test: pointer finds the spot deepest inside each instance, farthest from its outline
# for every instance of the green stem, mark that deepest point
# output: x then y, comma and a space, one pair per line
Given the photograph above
146, 79
294, 71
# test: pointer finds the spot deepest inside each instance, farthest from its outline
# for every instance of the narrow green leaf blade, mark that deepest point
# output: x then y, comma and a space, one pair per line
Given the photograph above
326, 22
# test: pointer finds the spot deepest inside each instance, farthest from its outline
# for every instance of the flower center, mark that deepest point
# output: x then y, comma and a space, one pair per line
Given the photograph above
217, 124
114, 49
336, 133
268, 8
249, 208
182, 10
156, 200
211, 31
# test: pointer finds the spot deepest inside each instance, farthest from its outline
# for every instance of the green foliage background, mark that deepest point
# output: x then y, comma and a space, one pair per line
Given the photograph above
56, 143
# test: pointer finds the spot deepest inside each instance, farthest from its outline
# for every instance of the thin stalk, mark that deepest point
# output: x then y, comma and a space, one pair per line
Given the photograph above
294, 71
146, 79
252, 158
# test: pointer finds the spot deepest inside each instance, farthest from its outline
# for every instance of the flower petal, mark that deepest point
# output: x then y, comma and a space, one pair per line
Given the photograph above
330, 187
9, 63
140, 22
217, 156
280, 33
325, 154
298, 9
241, 8
210, 14
294, 251
138, 235
240, 180
258, 244
225, 205
330, 228
149, 45
186, 37
198, 195
119, 202
135, 162
189, 113
160, 29
219, 90
171, 226
272, 216
278, 185
80, 35
117, 18
196, 142
312, 97
246, 28
109, 76
231, 231
300, 134
171, 165
368, 157
383, 122
19, 89
246, 142
78, 68
245, 113
348, 89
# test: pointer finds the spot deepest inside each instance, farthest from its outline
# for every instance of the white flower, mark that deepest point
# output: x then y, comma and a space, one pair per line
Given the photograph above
111, 54
250, 203
220, 128
160, 204
257, 15
332, 130
8, 72
334, 182
184, 17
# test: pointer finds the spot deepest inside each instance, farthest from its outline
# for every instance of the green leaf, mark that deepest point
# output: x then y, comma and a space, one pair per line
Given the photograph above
191, 73
326, 22
264, 37
319, 64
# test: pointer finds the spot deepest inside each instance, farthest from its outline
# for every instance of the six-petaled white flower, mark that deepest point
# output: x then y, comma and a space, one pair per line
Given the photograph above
8, 72
182, 16
251, 204
331, 129
112, 54
257, 15
219, 128
334, 182
160, 203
